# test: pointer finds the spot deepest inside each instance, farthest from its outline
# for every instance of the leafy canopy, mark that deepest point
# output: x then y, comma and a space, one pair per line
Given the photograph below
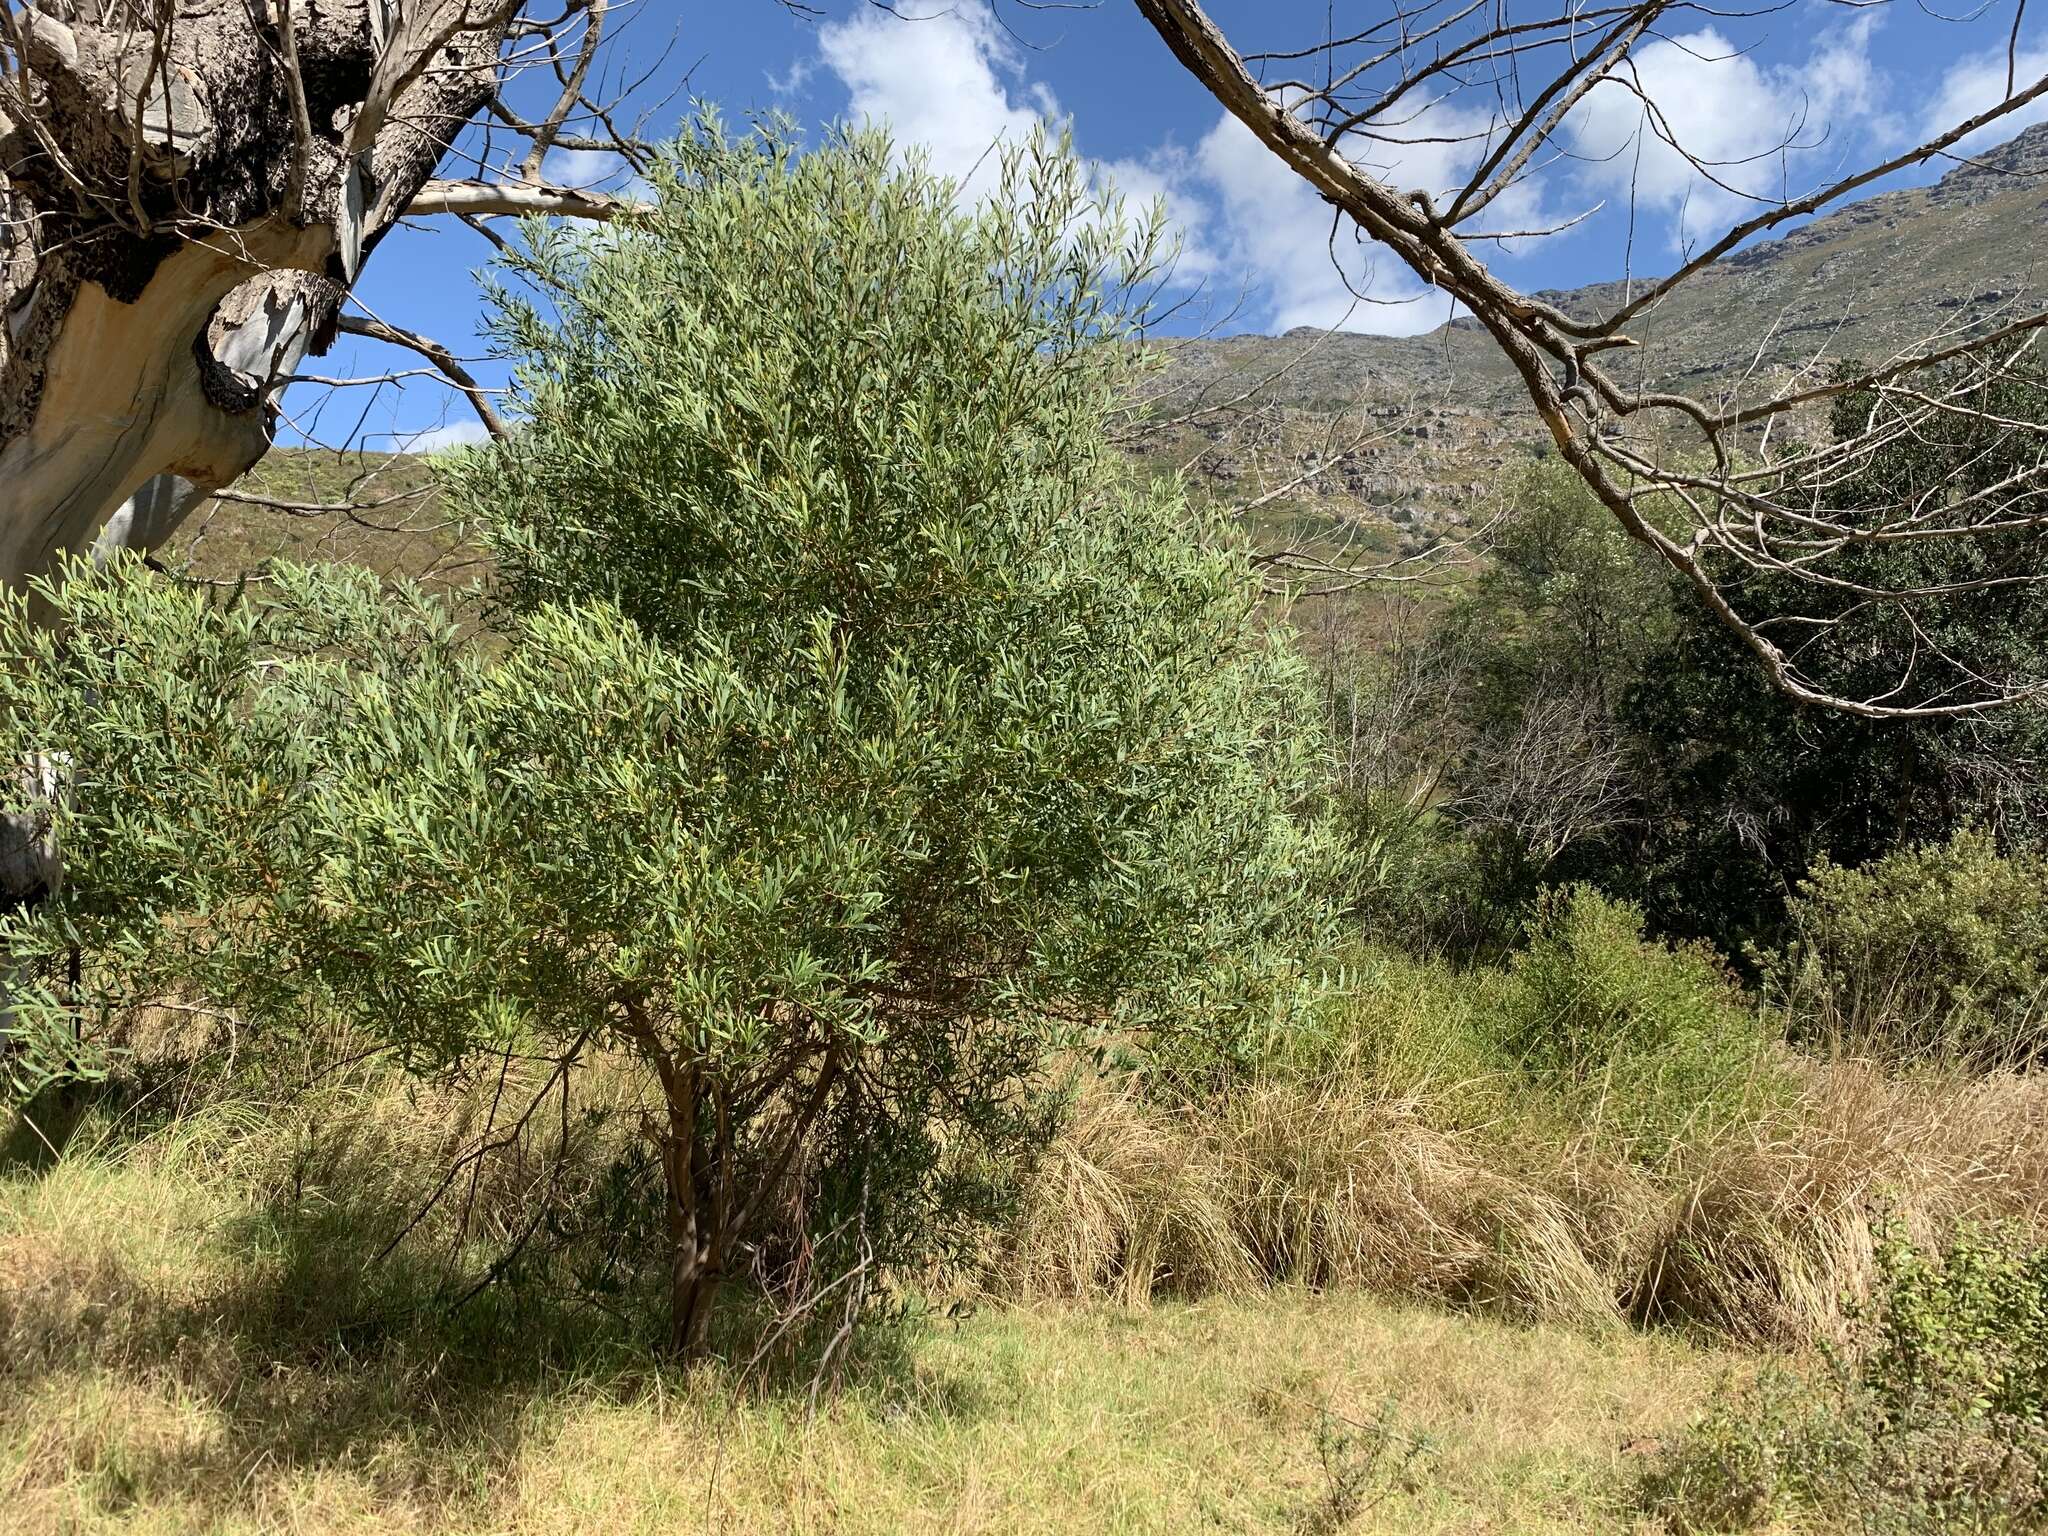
860, 732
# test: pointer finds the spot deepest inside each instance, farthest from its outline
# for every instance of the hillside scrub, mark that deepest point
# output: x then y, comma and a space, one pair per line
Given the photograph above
1934, 951
860, 733
1931, 1416
1409, 1146
196, 1324
1570, 715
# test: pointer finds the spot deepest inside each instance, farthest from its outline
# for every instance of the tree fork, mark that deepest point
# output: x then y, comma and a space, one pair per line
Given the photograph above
190, 190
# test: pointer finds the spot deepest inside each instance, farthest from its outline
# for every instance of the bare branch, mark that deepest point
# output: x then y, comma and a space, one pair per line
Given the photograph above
481, 199
439, 356
1701, 481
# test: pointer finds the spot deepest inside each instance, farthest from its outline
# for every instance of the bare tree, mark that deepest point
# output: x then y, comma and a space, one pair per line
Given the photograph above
1719, 486
1559, 778
1391, 701
190, 188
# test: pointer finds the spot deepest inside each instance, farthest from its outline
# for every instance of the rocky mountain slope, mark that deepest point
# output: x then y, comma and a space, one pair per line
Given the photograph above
1410, 439
1442, 417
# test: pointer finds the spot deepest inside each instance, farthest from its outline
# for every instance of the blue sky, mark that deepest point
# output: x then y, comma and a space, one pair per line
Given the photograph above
1841, 81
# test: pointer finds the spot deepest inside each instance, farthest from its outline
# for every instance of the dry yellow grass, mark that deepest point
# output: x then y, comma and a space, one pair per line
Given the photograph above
179, 1352
1773, 1229
190, 1340
1761, 1233
1319, 1184
1057, 1419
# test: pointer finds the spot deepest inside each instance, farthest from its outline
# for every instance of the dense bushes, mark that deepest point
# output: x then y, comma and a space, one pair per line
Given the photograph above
1933, 1418
1653, 1042
1576, 715
1420, 879
1933, 951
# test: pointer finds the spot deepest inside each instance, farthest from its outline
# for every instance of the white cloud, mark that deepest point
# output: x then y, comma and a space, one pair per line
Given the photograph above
1272, 230
794, 79
942, 74
1169, 177
1978, 84
1720, 132
955, 84
456, 434
595, 169
580, 167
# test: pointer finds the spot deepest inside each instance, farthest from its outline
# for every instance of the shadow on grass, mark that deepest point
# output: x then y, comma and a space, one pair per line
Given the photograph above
35, 1136
304, 1351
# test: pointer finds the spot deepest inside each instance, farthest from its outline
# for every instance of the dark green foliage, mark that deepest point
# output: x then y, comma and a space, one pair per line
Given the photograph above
1938, 951
1934, 1419
1551, 637
1745, 788
1479, 753
1603, 726
1422, 881
1569, 605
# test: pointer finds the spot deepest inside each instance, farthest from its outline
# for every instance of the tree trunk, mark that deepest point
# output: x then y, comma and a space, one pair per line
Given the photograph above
693, 1293
696, 1218
181, 212
186, 192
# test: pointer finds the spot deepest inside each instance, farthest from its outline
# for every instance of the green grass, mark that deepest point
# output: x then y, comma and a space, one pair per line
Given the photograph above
195, 1336
193, 1339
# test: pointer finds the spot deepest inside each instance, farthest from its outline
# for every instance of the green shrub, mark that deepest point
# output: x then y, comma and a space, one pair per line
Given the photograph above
863, 732
1935, 1418
1654, 1041
1940, 950
1395, 1026
1422, 882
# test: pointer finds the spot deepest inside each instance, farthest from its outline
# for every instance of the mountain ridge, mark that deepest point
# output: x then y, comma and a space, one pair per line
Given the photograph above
1867, 281
1408, 440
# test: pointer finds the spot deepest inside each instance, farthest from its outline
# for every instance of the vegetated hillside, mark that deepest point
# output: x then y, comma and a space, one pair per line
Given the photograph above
377, 509
1441, 417
1876, 277
1446, 415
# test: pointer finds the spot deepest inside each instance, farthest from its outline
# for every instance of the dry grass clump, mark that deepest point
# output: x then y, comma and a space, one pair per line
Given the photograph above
1311, 1184
1761, 1235
1126, 1201
1773, 1229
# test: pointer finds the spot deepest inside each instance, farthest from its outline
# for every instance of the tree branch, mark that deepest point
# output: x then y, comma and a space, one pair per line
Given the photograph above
439, 356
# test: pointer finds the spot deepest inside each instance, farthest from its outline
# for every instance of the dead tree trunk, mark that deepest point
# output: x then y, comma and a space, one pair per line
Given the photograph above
187, 192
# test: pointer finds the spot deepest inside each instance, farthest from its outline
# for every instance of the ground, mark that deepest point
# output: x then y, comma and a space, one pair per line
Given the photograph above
195, 1336
1287, 1412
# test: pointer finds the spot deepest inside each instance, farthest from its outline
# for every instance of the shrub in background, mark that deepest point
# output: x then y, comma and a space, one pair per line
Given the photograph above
1935, 951
1652, 1041
1934, 1418
1421, 881
1743, 787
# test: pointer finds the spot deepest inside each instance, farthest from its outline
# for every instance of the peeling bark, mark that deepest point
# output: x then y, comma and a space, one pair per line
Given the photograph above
187, 189
184, 212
